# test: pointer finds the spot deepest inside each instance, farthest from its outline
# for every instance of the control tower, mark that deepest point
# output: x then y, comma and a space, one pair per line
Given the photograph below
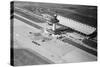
54, 21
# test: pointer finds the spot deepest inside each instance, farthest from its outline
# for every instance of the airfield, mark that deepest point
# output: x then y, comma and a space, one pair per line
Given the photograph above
40, 48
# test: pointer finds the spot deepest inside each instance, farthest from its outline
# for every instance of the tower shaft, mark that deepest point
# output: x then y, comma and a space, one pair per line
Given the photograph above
54, 27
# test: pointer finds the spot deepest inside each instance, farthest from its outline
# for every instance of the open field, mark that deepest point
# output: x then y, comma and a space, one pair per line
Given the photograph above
84, 14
